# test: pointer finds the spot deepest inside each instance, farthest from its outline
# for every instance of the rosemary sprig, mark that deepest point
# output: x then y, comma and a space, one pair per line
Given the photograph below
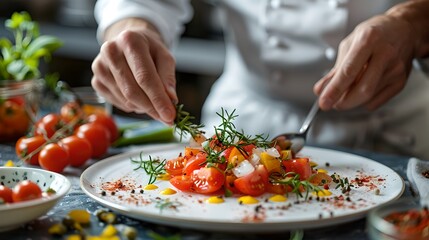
227, 136
292, 179
153, 167
183, 123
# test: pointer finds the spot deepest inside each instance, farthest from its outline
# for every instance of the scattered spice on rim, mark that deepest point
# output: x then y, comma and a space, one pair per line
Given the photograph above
425, 174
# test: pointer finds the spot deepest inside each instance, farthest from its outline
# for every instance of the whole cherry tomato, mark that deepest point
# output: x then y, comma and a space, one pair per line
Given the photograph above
71, 111
5, 194
97, 135
106, 121
54, 158
26, 190
48, 125
28, 145
79, 150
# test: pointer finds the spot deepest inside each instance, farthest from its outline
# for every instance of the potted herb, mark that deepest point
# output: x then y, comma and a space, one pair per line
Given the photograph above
20, 74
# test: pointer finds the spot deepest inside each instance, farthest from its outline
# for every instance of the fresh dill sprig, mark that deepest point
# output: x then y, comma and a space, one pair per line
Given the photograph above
183, 124
153, 167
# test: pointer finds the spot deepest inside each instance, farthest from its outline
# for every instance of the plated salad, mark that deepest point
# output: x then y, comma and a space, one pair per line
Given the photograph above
233, 163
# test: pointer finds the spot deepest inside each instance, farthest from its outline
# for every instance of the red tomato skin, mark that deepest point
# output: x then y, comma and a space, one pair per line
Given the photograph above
300, 166
26, 145
48, 125
174, 166
254, 183
6, 194
25, 191
106, 121
79, 150
194, 163
97, 135
182, 182
53, 158
207, 180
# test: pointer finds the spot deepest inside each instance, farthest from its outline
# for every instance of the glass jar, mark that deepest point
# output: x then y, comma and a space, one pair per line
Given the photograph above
19, 104
92, 102
379, 228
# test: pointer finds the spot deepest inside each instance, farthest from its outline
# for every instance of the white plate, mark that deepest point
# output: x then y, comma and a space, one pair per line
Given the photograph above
12, 215
192, 210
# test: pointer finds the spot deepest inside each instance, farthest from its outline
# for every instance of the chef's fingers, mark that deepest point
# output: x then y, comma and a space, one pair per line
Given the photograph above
102, 82
321, 84
125, 81
365, 86
142, 66
347, 70
396, 78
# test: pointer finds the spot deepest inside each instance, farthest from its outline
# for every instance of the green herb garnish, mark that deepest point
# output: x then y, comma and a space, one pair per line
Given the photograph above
20, 60
183, 123
292, 179
153, 167
342, 183
163, 203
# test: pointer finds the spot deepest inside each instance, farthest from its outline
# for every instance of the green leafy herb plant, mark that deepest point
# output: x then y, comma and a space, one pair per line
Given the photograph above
20, 59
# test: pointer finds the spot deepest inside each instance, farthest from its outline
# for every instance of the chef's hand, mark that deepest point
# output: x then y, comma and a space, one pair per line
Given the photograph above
373, 65
135, 71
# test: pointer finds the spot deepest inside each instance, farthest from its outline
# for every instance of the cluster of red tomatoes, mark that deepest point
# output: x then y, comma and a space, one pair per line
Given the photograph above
23, 191
70, 137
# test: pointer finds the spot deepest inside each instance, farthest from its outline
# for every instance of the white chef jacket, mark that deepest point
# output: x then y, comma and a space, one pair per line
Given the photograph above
275, 51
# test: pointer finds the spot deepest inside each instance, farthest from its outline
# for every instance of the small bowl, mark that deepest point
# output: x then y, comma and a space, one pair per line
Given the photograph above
14, 215
381, 229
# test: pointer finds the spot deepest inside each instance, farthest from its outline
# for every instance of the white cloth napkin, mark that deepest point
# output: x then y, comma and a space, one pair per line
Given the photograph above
418, 181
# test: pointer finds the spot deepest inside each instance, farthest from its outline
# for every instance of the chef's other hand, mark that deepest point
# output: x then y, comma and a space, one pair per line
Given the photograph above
135, 71
373, 65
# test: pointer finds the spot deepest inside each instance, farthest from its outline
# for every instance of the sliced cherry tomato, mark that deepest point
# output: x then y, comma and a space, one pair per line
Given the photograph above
5, 194
254, 183
53, 158
78, 149
174, 166
71, 111
106, 121
299, 166
97, 135
48, 125
182, 182
229, 184
27, 145
207, 180
194, 163
26, 190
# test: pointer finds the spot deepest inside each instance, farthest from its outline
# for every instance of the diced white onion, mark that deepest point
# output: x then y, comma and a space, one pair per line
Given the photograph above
243, 168
254, 159
273, 152
258, 151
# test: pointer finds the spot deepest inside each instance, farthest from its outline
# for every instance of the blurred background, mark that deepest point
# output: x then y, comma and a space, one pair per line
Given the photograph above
199, 54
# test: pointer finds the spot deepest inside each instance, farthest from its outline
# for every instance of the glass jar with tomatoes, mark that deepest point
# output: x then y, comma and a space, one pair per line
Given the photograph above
19, 103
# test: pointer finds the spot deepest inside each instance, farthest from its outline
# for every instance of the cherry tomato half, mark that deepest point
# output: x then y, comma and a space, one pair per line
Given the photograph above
26, 190
207, 180
254, 183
